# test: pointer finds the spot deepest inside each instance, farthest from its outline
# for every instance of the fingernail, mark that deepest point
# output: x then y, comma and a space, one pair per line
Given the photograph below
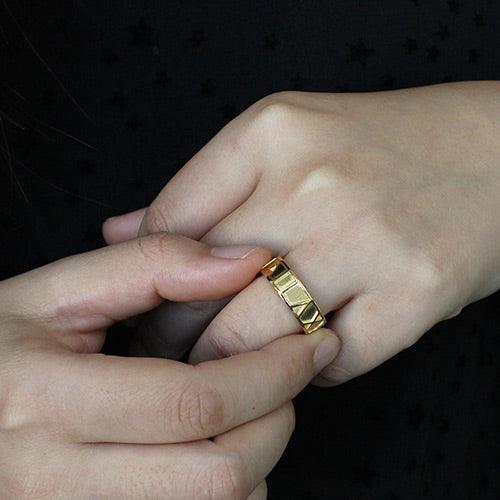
326, 352
233, 252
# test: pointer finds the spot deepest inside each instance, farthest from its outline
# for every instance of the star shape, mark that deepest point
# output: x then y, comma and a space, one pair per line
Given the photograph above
388, 81
453, 6
198, 37
432, 53
208, 88
134, 122
27, 141
271, 42
108, 57
415, 416
443, 31
359, 52
364, 475
162, 79
473, 56
142, 33
298, 82
410, 44
478, 20
119, 98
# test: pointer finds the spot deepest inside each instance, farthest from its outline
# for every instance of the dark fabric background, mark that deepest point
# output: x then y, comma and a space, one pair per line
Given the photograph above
103, 101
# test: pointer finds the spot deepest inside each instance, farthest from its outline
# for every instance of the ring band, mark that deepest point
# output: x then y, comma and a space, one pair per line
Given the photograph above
294, 294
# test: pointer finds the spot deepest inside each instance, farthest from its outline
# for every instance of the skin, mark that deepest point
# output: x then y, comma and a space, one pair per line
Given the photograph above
78, 424
385, 204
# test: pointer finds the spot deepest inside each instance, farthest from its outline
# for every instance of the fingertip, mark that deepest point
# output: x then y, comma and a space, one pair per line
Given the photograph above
225, 271
239, 262
324, 333
259, 256
332, 375
318, 349
122, 227
108, 231
327, 348
320, 381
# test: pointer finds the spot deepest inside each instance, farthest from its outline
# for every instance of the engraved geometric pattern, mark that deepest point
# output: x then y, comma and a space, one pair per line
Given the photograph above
294, 294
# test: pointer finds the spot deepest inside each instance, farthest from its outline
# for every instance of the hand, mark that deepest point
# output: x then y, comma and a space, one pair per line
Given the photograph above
385, 204
78, 424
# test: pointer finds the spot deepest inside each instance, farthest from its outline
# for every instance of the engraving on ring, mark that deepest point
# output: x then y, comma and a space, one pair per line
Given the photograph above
294, 294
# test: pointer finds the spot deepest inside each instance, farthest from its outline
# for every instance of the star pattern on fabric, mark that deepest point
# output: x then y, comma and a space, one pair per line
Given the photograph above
363, 474
410, 45
141, 33
478, 20
359, 52
433, 53
442, 31
271, 42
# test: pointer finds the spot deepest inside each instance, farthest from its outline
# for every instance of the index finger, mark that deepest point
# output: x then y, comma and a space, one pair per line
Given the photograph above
91, 291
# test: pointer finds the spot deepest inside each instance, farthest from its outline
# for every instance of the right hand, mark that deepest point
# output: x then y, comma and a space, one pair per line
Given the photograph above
78, 424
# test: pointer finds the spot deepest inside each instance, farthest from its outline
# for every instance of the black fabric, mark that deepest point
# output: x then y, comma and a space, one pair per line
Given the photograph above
102, 102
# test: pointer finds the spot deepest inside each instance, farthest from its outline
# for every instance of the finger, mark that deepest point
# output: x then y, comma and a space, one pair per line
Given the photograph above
170, 330
228, 468
93, 290
257, 315
217, 180
98, 398
123, 227
373, 328
269, 437
173, 327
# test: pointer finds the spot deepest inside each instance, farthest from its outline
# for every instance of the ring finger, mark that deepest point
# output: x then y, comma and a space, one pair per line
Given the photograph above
257, 315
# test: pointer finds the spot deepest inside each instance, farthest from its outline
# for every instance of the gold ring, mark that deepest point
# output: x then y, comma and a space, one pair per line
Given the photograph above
294, 294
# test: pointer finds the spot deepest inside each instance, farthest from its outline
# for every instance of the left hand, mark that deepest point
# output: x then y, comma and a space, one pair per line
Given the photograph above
385, 204
78, 424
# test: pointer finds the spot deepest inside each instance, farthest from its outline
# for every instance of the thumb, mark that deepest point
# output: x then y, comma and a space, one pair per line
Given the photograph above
93, 290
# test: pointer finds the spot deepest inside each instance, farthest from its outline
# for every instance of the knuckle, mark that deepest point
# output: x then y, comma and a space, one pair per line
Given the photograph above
274, 112
408, 341
271, 114
199, 410
428, 276
157, 218
276, 99
374, 223
227, 335
291, 371
321, 177
154, 246
224, 479
280, 96
295, 370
